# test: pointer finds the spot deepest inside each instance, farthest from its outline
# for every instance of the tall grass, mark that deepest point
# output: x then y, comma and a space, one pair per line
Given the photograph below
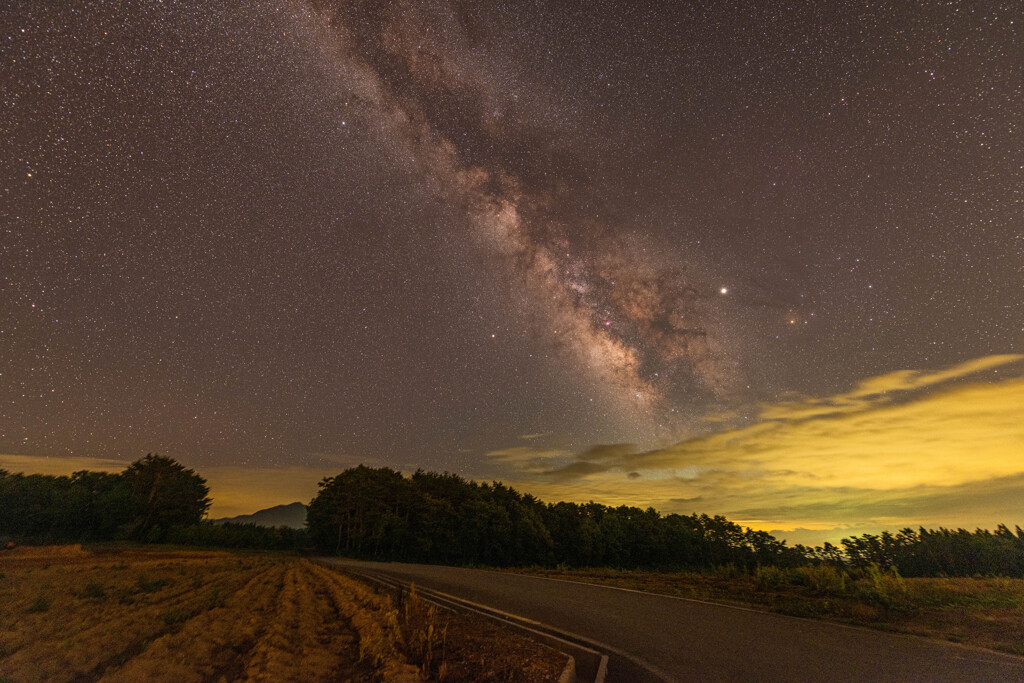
424, 634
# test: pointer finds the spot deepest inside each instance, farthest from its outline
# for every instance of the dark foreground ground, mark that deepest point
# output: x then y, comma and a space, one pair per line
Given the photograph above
680, 639
129, 614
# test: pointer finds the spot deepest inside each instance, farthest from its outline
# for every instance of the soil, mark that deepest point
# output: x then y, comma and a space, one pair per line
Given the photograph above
69, 613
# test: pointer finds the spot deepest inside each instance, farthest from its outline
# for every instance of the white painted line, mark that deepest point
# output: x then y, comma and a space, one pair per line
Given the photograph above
996, 656
602, 670
599, 646
490, 612
569, 672
635, 590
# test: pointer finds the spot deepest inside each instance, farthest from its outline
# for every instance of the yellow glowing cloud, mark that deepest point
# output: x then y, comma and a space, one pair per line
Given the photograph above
967, 433
864, 457
525, 454
533, 459
882, 388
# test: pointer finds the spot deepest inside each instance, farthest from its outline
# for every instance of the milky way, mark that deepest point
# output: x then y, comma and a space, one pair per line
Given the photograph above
282, 233
641, 329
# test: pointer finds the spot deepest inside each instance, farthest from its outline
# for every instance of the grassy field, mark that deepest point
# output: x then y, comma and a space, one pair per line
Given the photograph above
983, 612
68, 613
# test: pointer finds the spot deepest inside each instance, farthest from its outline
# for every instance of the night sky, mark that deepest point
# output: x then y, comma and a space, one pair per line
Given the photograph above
764, 261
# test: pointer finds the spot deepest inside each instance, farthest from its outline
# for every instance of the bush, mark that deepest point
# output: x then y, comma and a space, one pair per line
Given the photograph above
727, 571
885, 587
769, 578
822, 578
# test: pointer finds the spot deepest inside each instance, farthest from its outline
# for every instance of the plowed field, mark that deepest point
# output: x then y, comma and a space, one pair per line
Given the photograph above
68, 614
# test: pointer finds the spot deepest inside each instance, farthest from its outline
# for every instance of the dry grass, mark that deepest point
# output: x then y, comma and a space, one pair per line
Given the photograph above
138, 615
983, 612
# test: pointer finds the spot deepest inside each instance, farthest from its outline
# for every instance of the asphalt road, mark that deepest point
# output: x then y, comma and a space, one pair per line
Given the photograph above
687, 640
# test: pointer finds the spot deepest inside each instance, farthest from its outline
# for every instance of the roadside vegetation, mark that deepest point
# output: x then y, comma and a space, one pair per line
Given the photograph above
129, 614
980, 611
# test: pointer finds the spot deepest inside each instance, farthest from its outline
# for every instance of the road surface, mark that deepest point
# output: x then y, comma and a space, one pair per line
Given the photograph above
657, 637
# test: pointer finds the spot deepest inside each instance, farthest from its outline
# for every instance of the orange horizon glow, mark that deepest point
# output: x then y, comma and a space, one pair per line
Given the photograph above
902, 449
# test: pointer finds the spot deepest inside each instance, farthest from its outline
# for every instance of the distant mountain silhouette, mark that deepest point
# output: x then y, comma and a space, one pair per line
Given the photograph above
292, 515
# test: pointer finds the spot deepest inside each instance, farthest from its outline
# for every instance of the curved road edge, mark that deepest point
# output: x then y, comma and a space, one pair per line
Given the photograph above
653, 637
592, 659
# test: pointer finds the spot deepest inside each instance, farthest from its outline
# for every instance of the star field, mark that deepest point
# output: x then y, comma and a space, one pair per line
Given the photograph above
287, 233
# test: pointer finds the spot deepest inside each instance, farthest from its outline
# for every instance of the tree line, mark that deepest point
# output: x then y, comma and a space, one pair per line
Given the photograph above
378, 513
154, 500
941, 552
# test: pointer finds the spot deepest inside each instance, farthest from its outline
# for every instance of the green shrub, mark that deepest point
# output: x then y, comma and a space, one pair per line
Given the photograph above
885, 587
769, 577
727, 571
822, 578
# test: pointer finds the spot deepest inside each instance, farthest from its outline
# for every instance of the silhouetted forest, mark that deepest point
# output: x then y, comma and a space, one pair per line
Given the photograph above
945, 552
378, 513
155, 499
442, 518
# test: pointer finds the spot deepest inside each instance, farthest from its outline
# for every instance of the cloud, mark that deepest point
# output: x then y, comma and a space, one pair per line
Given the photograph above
575, 470
58, 466
882, 389
994, 498
944, 449
965, 433
524, 454
600, 458
607, 453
